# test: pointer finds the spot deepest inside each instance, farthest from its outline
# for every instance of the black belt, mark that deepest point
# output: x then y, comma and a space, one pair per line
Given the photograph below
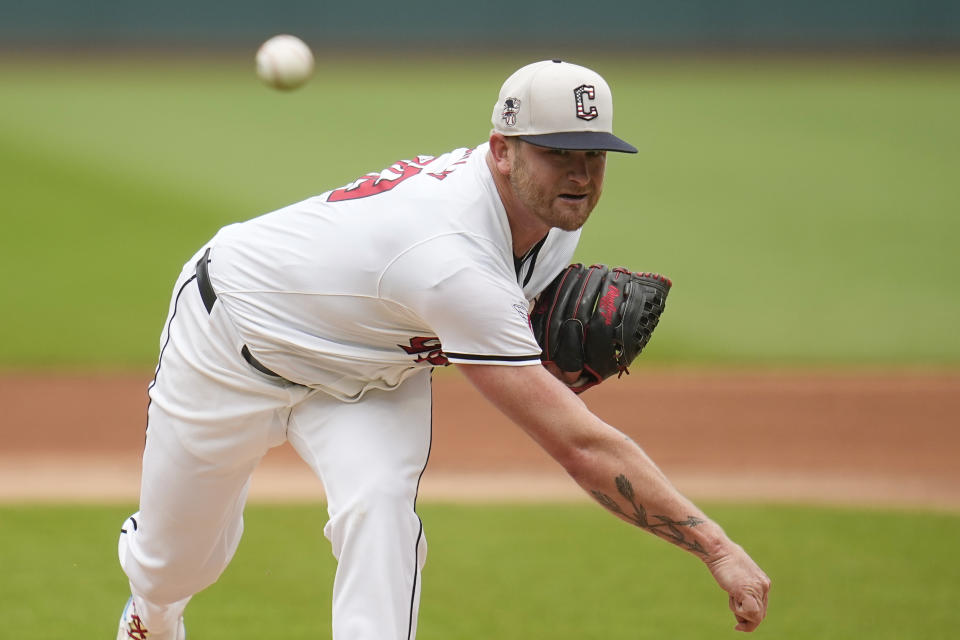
209, 296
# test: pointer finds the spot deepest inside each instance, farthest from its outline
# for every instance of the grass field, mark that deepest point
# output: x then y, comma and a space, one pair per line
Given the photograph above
514, 573
806, 210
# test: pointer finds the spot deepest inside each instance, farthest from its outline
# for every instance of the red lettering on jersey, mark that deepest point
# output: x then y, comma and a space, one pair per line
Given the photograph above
374, 183
608, 304
432, 349
443, 174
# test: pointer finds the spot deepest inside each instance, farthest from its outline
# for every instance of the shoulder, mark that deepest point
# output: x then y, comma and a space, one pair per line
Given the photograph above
404, 178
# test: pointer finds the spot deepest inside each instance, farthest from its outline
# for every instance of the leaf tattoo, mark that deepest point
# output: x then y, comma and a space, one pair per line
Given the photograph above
607, 501
624, 487
661, 526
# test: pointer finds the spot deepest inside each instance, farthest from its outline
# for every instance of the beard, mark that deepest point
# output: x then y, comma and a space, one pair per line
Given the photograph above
546, 203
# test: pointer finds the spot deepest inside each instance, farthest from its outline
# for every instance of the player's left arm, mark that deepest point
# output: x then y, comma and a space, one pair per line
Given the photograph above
616, 472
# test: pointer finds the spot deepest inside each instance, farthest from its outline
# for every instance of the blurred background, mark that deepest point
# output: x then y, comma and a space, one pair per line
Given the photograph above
796, 177
432, 29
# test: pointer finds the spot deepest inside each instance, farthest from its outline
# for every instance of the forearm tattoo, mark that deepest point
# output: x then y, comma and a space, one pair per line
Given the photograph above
662, 526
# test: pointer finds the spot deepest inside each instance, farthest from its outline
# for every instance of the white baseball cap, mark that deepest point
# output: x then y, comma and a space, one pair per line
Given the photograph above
558, 105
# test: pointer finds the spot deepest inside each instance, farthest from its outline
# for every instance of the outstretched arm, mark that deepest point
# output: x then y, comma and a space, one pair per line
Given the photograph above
619, 475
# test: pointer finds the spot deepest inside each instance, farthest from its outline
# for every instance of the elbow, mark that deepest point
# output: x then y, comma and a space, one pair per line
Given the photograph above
580, 457
583, 454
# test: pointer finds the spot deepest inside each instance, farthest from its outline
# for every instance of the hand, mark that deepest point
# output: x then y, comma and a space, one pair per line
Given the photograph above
568, 378
746, 584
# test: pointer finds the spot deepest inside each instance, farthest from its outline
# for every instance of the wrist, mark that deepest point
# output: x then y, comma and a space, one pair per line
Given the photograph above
715, 543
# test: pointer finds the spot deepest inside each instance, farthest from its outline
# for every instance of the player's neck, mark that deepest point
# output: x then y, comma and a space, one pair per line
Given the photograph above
524, 240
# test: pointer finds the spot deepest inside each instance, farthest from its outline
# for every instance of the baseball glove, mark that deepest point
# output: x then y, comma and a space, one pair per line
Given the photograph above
597, 320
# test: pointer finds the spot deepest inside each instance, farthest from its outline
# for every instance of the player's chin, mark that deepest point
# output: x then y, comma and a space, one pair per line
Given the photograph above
572, 213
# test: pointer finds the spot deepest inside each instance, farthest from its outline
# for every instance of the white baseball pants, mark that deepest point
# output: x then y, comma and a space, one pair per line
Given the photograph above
212, 417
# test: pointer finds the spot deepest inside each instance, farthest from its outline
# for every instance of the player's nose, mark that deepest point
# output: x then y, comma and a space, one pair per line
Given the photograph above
578, 169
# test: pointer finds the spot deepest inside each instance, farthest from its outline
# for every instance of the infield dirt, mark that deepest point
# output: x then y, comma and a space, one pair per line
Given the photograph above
876, 438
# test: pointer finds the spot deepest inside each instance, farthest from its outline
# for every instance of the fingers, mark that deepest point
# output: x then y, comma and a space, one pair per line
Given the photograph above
750, 608
748, 617
746, 626
566, 377
745, 582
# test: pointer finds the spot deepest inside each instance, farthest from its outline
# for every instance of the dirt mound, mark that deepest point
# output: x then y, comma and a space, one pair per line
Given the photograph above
875, 438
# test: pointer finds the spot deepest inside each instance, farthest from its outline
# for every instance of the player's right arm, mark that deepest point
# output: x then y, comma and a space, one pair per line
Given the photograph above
616, 472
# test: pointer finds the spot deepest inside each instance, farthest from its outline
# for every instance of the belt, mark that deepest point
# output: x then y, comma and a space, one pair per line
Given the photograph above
209, 296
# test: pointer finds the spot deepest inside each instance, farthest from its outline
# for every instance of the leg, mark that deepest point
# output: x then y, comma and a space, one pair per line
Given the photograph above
211, 419
187, 529
370, 456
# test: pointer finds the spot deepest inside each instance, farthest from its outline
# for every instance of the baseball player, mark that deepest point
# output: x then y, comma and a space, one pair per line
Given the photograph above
319, 324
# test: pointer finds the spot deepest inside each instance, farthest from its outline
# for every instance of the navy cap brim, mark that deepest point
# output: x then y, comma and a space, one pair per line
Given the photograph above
581, 141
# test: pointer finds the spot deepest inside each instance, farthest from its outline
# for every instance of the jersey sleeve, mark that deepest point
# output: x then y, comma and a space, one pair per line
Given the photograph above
477, 310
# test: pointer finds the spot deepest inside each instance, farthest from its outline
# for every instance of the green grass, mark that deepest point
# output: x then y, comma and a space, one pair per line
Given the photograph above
806, 210
515, 572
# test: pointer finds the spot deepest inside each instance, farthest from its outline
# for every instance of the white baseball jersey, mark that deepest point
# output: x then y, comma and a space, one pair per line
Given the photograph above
361, 286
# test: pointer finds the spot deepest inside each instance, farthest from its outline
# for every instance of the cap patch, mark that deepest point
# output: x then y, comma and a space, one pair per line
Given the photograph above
585, 91
511, 107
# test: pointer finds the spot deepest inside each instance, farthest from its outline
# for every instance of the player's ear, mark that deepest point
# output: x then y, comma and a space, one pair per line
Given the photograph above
501, 153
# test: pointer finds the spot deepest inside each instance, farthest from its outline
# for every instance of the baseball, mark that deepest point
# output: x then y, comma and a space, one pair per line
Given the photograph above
284, 62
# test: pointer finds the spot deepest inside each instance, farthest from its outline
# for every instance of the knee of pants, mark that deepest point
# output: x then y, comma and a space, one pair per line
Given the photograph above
167, 574
376, 517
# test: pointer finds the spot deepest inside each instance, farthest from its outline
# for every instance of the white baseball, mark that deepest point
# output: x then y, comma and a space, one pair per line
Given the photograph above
284, 62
